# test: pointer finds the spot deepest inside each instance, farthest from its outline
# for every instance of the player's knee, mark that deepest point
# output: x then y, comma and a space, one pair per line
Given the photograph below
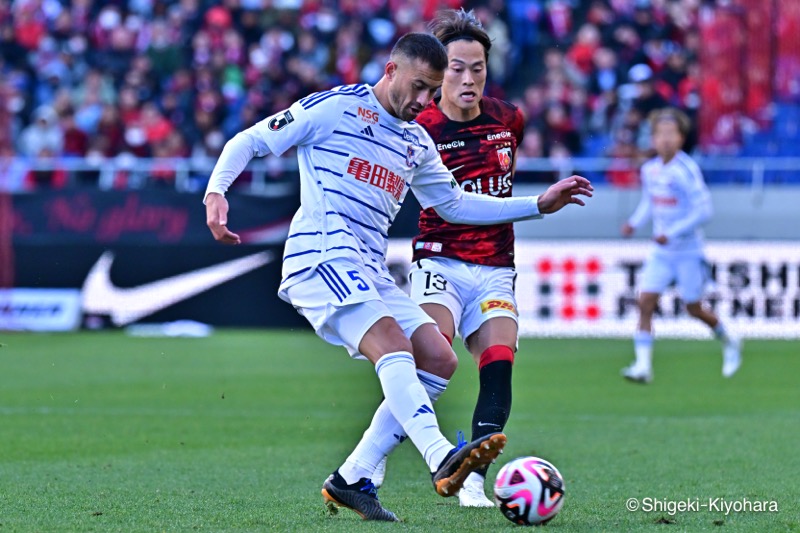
647, 306
448, 364
440, 361
432, 351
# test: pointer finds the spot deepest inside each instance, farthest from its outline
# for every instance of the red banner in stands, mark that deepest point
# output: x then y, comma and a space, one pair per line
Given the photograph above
141, 217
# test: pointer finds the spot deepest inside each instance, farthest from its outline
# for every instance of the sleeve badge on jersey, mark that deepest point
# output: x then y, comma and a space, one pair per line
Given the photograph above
504, 156
410, 156
279, 121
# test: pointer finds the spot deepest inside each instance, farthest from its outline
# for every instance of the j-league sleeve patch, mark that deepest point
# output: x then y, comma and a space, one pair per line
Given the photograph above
279, 121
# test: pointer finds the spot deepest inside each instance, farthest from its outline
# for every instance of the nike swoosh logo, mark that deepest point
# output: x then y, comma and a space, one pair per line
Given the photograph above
482, 424
426, 293
126, 305
453, 170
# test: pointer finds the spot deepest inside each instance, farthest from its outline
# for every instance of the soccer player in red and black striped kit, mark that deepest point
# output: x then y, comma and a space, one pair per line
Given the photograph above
463, 275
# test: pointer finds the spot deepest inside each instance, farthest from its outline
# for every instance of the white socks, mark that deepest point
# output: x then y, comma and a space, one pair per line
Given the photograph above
643, 347
407, 410
721, 333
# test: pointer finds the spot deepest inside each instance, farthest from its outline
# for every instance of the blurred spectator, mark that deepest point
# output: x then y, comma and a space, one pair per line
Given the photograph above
647, 99
76, 142
604, 110
12, 170
148, 78
558, 20
605, 75
561, 137
581, 53
94, 87
788, 67
163, 48
501, 44
156, 128
49, 177
30, 25
623, 169
524, 18
172, 146
603, 18
627, 44
110, 138
532, 144
44, 135
674, 71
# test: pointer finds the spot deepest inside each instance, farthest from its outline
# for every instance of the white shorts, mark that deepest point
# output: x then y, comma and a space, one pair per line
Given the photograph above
688, 270
472, 293
343, 299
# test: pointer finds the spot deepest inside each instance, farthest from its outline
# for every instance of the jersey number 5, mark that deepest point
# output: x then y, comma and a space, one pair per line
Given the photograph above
354, 275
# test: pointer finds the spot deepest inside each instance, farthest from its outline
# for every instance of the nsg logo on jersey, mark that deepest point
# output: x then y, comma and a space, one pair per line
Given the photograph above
368, 115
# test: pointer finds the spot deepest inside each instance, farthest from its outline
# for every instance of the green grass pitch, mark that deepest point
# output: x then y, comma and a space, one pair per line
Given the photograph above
236, 432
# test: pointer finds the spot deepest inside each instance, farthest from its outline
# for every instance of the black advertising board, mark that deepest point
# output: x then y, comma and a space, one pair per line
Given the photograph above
122, 284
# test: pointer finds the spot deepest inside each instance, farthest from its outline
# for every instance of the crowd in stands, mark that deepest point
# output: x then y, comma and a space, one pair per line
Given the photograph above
152, 78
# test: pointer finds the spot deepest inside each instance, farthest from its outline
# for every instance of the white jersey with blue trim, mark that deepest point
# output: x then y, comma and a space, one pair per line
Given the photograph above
677, 198
356, 164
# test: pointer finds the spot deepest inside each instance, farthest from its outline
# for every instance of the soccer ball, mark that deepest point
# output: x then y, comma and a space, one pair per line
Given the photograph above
529, 491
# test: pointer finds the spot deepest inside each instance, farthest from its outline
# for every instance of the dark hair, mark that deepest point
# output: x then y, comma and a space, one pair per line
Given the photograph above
455, 24
671, 114
422, 46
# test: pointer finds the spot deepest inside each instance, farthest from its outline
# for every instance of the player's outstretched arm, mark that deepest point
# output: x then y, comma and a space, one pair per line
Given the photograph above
217, 219
564, 192
481, 209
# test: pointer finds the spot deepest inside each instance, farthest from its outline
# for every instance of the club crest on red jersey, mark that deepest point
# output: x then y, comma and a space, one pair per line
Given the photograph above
504, 156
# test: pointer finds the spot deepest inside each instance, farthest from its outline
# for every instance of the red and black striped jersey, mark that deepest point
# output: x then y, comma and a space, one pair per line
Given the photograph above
480, 154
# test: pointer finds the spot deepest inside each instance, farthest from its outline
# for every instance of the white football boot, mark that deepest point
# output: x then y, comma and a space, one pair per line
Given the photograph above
731, 356
472, 494
638, 373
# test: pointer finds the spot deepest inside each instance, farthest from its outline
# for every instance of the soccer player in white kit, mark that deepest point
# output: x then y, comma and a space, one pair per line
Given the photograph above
676, 197
359, 151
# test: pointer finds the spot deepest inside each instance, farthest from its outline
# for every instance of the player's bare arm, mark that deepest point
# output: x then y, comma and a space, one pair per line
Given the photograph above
217, 219
565, 192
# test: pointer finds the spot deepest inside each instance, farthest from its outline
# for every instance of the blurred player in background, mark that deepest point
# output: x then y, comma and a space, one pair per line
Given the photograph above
676, 197
463, 274
358, 152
